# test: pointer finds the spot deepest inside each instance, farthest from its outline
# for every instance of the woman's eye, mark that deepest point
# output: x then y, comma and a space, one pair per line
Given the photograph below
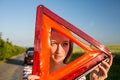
53, 43
66, 44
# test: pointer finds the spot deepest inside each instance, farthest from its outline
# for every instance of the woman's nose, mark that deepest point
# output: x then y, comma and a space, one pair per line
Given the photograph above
59, 49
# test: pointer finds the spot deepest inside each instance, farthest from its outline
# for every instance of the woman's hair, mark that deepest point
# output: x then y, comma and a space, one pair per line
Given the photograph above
69, 54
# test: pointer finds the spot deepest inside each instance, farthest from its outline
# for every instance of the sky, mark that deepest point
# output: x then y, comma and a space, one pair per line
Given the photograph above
98, 18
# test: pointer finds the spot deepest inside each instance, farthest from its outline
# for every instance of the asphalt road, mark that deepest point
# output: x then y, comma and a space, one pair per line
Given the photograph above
12, 69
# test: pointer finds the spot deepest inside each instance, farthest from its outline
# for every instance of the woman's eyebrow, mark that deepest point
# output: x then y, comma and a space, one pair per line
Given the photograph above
66, 41
53, 41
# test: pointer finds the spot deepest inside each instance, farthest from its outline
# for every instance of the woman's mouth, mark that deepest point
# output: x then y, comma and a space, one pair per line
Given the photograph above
58, 56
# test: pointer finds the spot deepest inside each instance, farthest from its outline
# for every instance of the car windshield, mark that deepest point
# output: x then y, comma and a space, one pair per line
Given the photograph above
30, 49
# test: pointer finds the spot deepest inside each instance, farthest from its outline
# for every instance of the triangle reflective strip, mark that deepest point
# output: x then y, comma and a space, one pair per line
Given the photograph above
45, 20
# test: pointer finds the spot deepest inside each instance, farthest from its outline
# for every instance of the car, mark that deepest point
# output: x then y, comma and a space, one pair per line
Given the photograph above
28, 57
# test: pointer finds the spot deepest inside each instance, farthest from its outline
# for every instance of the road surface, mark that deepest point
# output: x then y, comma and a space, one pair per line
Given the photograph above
12, 69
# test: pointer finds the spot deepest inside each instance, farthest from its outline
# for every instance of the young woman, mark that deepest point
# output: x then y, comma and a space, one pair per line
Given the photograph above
61, 50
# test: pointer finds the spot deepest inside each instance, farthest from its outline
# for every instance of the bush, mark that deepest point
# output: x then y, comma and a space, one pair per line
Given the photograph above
7, 50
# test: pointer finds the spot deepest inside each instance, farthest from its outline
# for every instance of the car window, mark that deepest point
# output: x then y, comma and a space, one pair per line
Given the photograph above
29, 49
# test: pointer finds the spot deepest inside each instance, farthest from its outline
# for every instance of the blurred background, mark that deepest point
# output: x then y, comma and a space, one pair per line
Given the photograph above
98, 18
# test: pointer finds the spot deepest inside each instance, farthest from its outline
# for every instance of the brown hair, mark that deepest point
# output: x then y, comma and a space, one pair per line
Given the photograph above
67, 58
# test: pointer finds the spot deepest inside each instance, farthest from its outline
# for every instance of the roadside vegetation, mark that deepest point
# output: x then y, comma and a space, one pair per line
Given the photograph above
8, 50
115, 68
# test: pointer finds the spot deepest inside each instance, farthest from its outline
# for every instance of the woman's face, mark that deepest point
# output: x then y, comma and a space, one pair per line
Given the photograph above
59, 47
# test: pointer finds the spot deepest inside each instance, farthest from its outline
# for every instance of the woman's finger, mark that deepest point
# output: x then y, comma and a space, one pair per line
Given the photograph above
33, 77
103, 71
111, 60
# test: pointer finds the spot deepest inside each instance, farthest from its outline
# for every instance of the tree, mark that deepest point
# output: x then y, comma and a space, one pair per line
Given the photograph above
0, 35
7, 40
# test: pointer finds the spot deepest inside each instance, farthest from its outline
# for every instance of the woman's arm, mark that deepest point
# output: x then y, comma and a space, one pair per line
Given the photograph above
101, 72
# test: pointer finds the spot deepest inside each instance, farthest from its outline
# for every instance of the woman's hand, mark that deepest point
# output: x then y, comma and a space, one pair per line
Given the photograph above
33, 77
100, 73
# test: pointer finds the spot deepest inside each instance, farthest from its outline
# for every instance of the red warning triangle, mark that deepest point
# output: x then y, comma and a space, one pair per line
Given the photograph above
45, 20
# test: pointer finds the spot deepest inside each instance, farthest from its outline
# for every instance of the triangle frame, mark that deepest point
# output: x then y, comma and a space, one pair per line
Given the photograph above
45, 20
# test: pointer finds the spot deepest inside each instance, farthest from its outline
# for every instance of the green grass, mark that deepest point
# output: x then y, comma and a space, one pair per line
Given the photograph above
114, 71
